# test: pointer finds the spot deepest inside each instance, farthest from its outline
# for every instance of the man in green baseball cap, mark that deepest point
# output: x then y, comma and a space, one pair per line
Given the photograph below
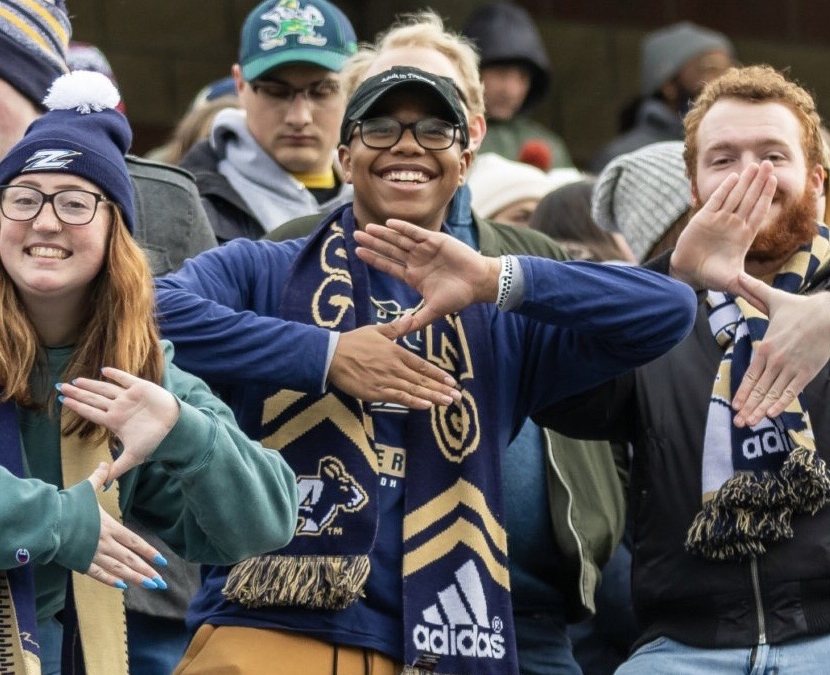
273, 160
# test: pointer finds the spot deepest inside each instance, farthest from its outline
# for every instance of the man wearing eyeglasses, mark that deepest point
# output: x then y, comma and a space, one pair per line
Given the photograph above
273, 160
400, 555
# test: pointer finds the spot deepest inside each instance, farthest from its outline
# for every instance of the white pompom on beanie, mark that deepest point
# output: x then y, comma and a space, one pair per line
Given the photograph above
80, 134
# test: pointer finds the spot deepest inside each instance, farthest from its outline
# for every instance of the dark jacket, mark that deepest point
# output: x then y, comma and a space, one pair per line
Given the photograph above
584, 478
505, 33
170, 224
656, 122
662, 408
227, 212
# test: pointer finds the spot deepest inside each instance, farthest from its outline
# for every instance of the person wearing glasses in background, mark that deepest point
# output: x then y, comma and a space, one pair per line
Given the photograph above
274, 159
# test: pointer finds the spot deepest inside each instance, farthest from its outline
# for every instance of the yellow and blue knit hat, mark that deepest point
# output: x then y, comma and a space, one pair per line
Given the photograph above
81, 134
34, 36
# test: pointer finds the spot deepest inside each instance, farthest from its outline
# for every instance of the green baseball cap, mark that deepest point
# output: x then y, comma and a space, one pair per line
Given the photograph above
279, 32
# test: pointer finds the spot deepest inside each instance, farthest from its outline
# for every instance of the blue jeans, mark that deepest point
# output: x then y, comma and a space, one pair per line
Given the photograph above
50, 637
663, 656
543, 645
155, 645
601, 644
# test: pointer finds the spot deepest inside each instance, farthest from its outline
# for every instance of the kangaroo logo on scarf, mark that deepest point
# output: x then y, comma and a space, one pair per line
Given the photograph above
291, 19
322, 496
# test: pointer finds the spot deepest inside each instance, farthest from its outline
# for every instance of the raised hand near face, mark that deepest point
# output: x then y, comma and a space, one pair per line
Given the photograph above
121, 555
711, 249
138, 412
795, 348
448, 274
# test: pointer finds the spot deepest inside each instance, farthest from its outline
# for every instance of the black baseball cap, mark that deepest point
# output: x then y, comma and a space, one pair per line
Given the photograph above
373, 89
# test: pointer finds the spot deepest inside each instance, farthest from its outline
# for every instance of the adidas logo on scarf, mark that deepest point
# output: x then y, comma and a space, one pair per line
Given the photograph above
458, 623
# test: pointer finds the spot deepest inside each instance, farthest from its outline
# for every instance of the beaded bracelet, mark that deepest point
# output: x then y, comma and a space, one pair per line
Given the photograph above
505, 280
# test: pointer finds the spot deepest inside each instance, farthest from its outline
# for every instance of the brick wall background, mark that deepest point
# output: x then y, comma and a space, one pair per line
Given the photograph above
164, 51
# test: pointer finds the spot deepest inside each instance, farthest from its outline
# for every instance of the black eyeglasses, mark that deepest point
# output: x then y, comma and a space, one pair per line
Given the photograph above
430, 133
320, 94
73, 207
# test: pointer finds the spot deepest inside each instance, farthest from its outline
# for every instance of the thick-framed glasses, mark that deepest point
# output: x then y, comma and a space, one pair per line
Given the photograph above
72, 207
431, 133
322, 94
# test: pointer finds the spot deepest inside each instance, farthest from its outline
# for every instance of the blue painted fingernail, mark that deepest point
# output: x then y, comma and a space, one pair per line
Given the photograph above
159, 559
58, 386
61, 398
147, 583
161, 583
120, 584
107, 485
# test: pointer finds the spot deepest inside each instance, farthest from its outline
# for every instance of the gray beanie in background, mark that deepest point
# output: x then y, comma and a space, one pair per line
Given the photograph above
665, 51
642, 193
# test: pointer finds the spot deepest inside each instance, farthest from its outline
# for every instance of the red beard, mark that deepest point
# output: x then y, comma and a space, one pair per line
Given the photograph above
795, 226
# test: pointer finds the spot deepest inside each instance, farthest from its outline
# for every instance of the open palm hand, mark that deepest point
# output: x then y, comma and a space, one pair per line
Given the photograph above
711, 249
140, 413
447, 273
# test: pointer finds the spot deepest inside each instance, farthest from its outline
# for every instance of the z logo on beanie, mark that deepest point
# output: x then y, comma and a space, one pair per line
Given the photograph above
44, 160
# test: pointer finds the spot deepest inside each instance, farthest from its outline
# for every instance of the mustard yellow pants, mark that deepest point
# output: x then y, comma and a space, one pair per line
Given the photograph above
240, 650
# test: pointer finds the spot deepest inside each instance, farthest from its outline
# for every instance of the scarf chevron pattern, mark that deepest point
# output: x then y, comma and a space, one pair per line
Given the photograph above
756, 479
457, 612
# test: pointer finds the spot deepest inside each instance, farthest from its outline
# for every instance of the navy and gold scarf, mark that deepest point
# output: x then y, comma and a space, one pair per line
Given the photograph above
19, 649
457, 612
755, 479
95, 629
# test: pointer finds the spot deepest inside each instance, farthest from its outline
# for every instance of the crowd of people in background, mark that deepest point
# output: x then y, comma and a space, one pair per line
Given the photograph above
359, 373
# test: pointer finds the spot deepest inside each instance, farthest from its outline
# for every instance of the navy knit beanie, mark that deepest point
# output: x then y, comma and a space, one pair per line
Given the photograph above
81, 134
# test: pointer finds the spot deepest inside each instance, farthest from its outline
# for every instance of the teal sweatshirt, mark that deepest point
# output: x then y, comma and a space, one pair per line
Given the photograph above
211, 493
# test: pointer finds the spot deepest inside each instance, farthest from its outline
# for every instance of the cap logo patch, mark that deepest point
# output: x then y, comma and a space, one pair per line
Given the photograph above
44, 160
291, 19
408, 76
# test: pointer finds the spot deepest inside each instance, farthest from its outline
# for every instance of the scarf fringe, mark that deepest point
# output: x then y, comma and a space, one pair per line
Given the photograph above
314, 582
750, 511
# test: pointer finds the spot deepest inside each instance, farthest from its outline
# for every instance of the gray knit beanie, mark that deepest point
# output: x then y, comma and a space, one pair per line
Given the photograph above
642, 193
665, 51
